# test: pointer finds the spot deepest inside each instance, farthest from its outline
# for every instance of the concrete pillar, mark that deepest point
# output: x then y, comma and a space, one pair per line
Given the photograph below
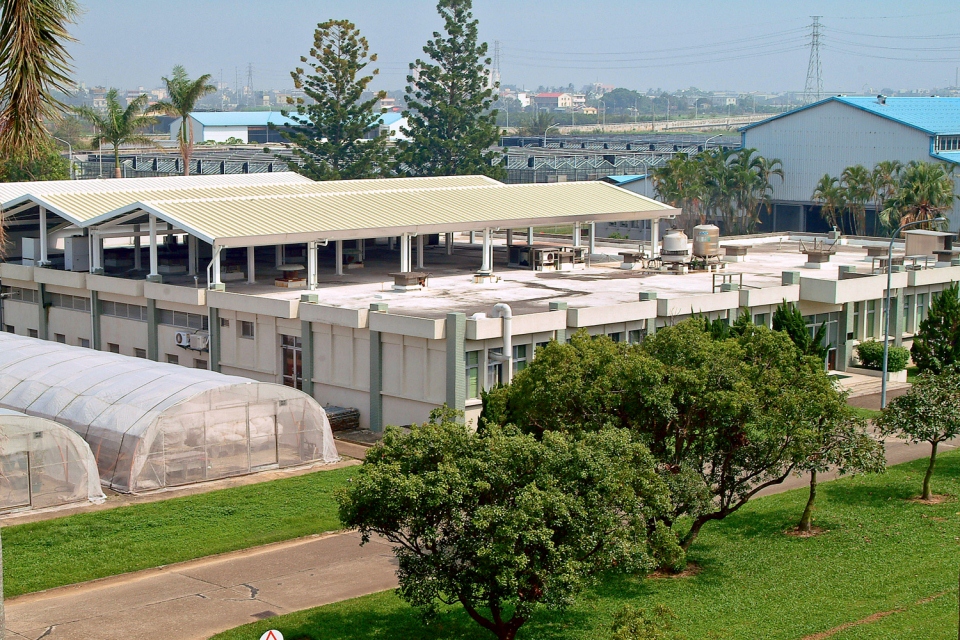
307, 354
279, 254
473, 237
96, 253
529, 236
191, 256
576, 234
654, 238
560, 306
448, 240
137, 258
456, 329
153, 321
419, 251
216, 266
338, 269
509, 237
486, 266
311, 265
376, 374
846, 332
214, 339
251, 265
592, 237
405, 250
43, 238
95, 340
154, 275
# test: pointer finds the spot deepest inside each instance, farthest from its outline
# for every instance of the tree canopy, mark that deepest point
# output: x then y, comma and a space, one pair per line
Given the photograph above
937, 342
183, 95
117, 125
724, 418
927, 413
787, 318
503, 522
45, 164
450, 122
332, 133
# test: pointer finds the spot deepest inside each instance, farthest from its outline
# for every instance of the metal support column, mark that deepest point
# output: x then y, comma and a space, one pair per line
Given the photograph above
191, 256
44, 262
448, 240
576, 234
338, 269
486, 266
279, 256
154, 275
251, 265
654, 238
592, 237
529, 236
137, 258
311, 265
420, 251
509, 237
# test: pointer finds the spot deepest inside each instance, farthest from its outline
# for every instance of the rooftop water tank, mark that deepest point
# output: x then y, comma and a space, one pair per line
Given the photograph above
706, 240
674, 241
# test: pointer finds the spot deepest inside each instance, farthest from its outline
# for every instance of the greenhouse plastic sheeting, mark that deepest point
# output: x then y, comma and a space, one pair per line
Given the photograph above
44, 464
152, 424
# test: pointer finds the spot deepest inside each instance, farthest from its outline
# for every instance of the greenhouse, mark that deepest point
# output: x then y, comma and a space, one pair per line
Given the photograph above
152, 425
43, 464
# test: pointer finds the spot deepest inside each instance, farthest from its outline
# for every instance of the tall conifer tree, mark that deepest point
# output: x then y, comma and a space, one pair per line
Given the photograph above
330, 134
450, 122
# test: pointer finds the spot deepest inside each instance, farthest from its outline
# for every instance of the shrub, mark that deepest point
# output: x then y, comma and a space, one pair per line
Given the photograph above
870, 353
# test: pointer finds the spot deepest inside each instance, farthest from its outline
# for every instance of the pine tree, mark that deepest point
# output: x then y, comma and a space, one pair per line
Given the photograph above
787, 318
330, 134
450, 122
937, 343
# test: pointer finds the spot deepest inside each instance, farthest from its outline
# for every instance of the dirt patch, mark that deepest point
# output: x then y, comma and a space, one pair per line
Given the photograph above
814, 531
691, 570
935, 499
871, 618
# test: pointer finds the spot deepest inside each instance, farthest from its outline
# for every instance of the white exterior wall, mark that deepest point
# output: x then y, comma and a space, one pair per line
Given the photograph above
830, 137
220, 134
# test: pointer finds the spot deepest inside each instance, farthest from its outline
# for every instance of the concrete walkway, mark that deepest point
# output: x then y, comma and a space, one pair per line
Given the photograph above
196, 599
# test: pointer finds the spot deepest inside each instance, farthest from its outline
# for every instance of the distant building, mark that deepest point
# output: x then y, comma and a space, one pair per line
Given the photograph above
578, 101
827, 136
386, 103
247, 126
553, 100
391, 125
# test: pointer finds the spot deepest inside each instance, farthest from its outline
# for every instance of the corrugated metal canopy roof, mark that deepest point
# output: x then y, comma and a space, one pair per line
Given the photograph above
83, 206
261, 220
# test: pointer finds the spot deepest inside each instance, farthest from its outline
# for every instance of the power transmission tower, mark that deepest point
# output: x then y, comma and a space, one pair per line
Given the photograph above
495, 72
813, 88
250, 77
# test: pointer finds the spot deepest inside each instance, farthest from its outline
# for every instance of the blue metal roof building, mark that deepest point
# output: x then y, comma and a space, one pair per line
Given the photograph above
246, 126
827, 136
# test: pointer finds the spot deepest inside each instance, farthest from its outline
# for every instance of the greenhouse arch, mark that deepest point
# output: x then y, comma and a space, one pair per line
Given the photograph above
152, 425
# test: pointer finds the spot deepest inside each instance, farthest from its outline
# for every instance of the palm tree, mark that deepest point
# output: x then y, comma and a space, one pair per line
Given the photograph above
751, 174
535, 124
926, 190
886, 177
116, 125
857, 182
184, 94
678, 184
34, 63
832, 199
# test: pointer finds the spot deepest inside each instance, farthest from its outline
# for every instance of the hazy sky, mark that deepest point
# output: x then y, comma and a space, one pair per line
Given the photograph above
740, 45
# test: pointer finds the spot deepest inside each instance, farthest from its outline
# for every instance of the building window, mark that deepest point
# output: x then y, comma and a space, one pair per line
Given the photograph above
857, 332
636, 336
199, 364
541, 345
59, 337
473, 374
616, 336
948, 143
907, 315
762, 320
113, 348
64, 301
871, 329
224, 322
246, 329
291, 352
519, 358
33, 333
139, 353
921, 308
123, 310
172, 359
494, 368
184, 320
83, 342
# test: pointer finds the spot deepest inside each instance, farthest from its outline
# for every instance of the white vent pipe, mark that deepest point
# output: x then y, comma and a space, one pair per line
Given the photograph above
503, 310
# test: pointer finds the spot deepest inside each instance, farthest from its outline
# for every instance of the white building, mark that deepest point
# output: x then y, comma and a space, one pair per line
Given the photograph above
830, 135
392, 125
246, 126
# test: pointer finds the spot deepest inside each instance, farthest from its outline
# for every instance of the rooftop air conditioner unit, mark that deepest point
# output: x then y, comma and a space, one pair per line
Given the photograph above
200, 341
182, 339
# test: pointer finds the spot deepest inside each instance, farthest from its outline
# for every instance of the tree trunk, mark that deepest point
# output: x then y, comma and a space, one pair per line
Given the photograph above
926, 478
692, 535
805, 519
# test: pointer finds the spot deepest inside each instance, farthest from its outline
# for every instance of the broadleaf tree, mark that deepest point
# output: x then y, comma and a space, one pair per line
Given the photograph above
332, 132
450, 121
504, 523
927, 413
937, 343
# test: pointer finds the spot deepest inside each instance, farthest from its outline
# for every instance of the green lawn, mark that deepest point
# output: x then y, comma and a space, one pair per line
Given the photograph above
866, 414
82, 547
879, 552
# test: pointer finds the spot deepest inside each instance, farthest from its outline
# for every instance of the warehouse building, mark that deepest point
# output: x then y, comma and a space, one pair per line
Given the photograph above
396, 296
827, 136
246, 126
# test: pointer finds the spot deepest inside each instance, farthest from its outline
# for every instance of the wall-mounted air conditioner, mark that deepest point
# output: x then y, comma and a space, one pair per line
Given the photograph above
200, 341
182, 339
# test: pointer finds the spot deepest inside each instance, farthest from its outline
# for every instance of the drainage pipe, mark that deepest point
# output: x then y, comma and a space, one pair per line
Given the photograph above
503, 310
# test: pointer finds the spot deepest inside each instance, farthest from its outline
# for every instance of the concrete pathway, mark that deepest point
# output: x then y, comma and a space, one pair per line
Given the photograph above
197, 599
194, 600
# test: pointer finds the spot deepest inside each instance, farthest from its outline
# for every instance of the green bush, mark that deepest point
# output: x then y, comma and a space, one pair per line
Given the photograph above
870, 353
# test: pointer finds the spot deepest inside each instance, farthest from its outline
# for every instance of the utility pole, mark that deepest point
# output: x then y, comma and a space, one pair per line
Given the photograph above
813, 88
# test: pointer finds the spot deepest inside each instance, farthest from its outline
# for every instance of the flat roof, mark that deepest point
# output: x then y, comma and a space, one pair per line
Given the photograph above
244, 220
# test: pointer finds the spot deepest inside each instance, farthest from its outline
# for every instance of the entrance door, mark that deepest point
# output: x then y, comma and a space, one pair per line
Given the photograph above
292, 354
15, 489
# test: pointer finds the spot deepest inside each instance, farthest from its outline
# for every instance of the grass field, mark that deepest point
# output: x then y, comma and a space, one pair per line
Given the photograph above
878, 553
53, 553
867, 414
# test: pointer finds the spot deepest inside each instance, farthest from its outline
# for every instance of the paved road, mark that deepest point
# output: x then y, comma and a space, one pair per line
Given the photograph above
196, 599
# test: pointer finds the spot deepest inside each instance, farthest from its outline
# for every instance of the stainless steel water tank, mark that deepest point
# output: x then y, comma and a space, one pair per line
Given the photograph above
706, 240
